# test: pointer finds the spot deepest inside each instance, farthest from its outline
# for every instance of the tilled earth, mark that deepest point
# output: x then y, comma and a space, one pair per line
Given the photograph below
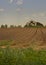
25, 37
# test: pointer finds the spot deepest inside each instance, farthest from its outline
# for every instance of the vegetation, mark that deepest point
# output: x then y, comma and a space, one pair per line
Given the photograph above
9, 55
12, 56
6, 26
2, 26
40, 24
28, 24
12, 26
45, 26
6, 42
33, 24
19, 26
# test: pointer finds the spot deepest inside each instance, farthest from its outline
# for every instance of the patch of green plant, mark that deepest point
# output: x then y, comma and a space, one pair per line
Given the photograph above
13, 56
5, 42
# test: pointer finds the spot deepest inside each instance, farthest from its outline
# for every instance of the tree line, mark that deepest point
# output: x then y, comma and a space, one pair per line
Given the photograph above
28, 24
11, 26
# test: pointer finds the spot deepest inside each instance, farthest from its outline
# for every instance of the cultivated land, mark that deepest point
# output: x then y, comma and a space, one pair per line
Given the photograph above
23, 46
23, 37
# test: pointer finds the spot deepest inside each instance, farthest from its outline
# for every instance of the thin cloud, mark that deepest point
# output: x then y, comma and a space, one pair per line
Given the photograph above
1, 10
39, 14
18, 9
11, 1
19, 2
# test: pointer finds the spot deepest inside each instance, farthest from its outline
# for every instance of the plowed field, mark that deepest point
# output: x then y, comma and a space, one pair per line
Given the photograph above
24, 37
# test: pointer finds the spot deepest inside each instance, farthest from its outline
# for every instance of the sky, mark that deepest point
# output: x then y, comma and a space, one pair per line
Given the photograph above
18, 12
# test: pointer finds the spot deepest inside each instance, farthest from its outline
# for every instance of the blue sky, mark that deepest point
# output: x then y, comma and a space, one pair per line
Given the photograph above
18, 12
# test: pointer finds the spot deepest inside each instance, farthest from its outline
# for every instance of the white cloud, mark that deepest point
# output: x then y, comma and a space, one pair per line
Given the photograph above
39, 14
1, 10
19, 2
11, 1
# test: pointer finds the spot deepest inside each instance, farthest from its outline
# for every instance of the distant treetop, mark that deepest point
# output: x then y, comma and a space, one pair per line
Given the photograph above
33, 24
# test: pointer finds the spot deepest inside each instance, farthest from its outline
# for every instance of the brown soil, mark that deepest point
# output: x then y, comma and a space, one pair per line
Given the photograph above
24, 37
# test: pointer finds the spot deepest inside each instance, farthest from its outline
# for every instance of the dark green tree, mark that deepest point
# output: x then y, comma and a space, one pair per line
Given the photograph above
19, 26
6, 26
33, 24
40, 24
12, 26
2, 26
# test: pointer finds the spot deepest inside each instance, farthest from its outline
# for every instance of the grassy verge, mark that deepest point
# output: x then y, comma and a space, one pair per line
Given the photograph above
6, 42
13, 56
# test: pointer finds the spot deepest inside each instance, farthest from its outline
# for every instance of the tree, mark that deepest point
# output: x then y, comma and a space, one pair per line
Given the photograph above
26, 25
15, 26
19, 26
2, 26
30, 24
40, 24
33, 24
6, 26
12, 26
